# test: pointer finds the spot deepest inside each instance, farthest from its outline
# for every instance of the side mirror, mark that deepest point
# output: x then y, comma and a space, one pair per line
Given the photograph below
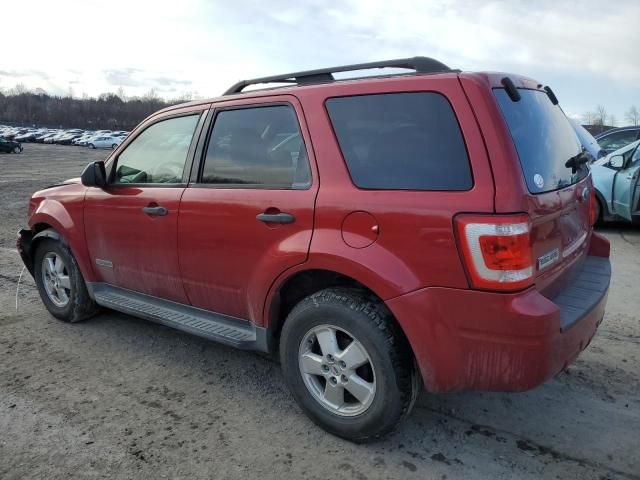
94, 175
617, 161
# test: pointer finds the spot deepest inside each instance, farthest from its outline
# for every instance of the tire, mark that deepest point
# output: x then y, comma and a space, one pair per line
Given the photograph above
114, 146
17, 150
389, 375
598, 212
91, 145
78, 305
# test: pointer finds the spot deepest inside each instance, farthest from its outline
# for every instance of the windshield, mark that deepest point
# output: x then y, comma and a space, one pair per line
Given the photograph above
544, 140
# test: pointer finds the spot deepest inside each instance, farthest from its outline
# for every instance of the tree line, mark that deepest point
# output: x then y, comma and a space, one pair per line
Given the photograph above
601, 117
112, 111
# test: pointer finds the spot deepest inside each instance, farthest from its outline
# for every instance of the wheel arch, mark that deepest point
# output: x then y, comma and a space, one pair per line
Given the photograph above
302, 283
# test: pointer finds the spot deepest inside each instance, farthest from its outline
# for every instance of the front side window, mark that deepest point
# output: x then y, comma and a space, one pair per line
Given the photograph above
401, 141
158, 154
258, 147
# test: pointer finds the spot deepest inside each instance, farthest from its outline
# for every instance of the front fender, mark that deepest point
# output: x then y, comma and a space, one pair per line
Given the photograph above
66, 220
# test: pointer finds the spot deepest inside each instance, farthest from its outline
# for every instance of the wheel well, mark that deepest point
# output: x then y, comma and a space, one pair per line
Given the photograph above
306, 283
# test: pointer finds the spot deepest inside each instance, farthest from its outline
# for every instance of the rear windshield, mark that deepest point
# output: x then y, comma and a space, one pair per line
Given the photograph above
543, 138
401, 141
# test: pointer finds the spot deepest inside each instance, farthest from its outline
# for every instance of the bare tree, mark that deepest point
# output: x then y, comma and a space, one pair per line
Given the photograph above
632, 115
588, 118
601, 115
613, 121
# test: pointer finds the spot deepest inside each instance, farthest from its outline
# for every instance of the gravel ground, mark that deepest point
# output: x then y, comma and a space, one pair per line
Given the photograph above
118, 397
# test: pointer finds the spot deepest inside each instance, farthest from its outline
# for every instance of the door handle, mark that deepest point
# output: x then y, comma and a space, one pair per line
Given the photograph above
156, 211
281, 217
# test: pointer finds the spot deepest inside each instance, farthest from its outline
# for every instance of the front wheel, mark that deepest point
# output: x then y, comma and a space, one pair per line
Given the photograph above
347, 364
17, 150
91, 145
60, 282
114, 146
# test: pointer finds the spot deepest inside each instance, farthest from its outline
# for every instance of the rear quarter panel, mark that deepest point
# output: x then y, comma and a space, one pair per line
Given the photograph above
415, 245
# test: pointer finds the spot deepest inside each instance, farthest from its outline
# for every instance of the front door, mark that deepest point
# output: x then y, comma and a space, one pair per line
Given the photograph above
131, 225
625, 188
249, 216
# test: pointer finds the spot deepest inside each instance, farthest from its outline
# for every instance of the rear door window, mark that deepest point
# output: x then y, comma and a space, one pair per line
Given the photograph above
544, 140
257, 147
401, 141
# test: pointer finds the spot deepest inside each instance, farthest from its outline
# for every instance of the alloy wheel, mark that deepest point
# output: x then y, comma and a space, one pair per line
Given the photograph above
337, 370
56, 280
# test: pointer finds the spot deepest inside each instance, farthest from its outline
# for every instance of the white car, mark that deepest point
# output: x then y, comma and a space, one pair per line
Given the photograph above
104, 142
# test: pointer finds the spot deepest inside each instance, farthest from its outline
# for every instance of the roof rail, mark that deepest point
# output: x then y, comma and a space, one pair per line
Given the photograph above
419, 64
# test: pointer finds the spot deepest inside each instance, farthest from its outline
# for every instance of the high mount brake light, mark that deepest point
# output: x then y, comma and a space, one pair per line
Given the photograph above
497, 250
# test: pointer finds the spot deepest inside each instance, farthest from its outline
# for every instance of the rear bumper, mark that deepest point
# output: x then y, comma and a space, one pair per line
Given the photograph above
472, 340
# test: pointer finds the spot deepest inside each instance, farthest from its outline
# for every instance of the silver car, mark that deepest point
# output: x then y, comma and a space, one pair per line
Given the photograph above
616, 178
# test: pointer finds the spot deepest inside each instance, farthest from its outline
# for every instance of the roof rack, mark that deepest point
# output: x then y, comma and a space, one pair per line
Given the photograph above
322, 75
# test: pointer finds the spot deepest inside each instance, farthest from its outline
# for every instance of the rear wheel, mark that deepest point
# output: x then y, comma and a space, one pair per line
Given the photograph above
113, 147
60, 282
598, 211
17, 150
347, 364
91, 145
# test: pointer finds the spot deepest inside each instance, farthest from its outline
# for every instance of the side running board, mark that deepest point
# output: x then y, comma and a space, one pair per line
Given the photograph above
213, 326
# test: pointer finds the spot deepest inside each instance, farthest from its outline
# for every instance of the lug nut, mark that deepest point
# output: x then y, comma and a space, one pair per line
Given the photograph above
343, 364
334, 380
330, 357
325, 368
344, 379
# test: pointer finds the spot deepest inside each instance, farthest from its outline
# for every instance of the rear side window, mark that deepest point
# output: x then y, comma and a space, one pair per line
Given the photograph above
258, 147
544, 140
401, 141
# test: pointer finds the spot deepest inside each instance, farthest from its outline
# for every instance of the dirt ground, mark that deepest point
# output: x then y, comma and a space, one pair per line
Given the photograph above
118, 397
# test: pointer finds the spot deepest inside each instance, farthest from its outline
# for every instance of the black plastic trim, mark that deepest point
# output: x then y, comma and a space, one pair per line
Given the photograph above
236, 332
323, 75
587, 290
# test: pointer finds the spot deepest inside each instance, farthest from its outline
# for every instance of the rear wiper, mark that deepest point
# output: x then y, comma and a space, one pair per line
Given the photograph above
580, 159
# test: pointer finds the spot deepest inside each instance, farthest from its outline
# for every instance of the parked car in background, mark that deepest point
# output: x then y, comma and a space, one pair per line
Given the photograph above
10, 146
105, 142
616, 138
398, 270
616, 178
587, 140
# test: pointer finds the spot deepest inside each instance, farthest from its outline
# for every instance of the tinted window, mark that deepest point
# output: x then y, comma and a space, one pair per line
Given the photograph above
401, 141
618, 140
158, 154
257, 147
544, 140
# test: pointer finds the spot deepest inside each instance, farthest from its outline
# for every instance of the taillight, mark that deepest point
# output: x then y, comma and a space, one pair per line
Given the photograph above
496, 250
592, 206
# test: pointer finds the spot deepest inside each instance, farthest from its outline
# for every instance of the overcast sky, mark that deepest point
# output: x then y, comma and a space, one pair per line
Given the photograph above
586, 51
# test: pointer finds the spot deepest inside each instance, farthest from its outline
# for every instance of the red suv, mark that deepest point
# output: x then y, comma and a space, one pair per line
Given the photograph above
378, 234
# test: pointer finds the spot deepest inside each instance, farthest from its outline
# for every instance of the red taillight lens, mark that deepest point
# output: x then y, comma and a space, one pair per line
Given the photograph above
496, 250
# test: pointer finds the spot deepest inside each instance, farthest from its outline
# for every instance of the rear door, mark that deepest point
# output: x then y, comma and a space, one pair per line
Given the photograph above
625, 188
559, 194
248, 214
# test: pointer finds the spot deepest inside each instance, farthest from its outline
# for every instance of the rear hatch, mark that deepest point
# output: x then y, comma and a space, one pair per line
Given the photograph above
559, 189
